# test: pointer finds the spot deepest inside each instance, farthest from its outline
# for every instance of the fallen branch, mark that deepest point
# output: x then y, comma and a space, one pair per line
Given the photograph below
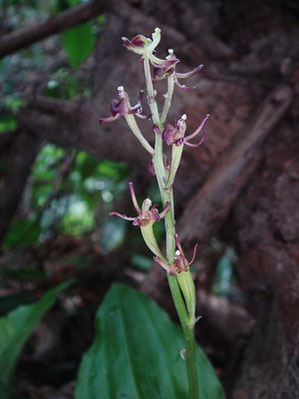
25, 37
209, 207
54, 106
229, 318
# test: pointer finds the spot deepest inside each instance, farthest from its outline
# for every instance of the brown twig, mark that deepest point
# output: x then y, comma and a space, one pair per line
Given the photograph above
25, 37
208, 208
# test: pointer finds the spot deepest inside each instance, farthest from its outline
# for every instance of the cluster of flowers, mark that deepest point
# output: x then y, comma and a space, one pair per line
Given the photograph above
172, 134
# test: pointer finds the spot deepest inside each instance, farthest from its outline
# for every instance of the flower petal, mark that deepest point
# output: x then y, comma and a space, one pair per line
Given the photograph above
191, 136
183, 87
134, 199
197, 144
188, 74
194, 254
125, 217
109, 119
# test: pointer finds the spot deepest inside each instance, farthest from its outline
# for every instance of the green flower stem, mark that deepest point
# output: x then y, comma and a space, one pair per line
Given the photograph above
191, 362
135, 129
167, 103
181, 286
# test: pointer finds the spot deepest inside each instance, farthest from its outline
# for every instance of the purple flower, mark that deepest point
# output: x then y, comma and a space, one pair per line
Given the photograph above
176, 134
123, 107
146, 216
165, 69
146, 47
180, 262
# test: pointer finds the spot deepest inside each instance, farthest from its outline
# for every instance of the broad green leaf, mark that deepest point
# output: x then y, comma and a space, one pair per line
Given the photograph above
135, 354
9, 302
78, 43
15, 329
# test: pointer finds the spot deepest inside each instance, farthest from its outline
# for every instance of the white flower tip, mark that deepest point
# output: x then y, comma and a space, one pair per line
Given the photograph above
177, 253
170, 50
184, 117
148, 202
157, 30
120, 88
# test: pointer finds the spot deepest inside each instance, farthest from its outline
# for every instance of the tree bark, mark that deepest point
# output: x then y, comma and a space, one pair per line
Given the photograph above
20, 160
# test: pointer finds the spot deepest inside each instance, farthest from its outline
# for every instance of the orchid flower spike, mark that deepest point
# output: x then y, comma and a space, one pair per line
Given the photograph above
123, 107
146, 216
180, 262
176, 134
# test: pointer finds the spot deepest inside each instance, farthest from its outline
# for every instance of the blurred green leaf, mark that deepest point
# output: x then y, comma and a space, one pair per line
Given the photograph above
22, 233
23, 274
135, 354
67, 87
7, 123
9, 302
101, 19
114, 170
13, 103
142, 262
78, 43
113, 234
78, 219
15, 329
224, 277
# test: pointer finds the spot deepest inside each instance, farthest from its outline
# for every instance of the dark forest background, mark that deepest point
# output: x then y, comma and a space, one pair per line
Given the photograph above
237, 195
